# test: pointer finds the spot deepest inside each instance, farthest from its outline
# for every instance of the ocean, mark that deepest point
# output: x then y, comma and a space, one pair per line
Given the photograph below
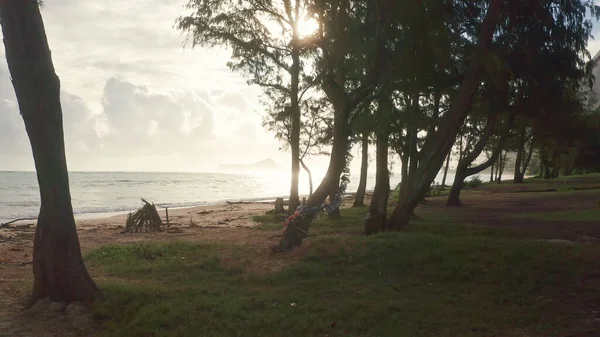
98, 194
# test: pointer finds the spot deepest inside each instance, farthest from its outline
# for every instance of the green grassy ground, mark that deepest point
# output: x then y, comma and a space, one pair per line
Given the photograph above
438, 278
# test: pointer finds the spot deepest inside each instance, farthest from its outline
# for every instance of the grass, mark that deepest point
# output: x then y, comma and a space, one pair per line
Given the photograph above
438, 278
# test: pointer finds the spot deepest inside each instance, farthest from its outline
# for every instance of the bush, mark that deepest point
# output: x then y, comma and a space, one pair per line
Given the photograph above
434, 190
475, 182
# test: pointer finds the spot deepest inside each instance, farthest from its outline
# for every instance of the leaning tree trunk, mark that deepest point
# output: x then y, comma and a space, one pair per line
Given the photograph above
457, 186
295, 132
437, 146
58, 268
526, 161
464, 170
310, 180
359, 200
293, 235
446, 169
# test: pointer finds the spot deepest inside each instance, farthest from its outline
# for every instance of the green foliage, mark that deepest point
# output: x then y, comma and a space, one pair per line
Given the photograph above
474, 182
434, 190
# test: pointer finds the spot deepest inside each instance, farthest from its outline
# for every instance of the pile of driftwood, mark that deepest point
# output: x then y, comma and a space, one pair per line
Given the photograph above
145, 219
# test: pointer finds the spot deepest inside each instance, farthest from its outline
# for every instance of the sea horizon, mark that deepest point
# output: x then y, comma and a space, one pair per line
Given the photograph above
96, 194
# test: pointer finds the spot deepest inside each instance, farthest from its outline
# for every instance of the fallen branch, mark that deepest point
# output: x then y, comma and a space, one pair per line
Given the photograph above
7, 224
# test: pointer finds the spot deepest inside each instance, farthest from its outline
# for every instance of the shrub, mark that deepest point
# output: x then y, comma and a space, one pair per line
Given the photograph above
475, 182
434, 190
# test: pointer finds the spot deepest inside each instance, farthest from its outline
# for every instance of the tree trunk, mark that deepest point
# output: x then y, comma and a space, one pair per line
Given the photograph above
294, 235
310, 181
492, 173
457, 186
295, 117
436, 147
517, 177
404, 170
58, 268
464, 170
501, 167
359, 200
377, 216
446, 169
526, 161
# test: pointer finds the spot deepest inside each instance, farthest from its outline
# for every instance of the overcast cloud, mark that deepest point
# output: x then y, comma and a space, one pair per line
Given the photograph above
134, 99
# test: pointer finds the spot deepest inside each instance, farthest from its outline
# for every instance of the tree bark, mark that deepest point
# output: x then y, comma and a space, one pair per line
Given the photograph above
294, 235
58, 268
438, 145
492, 173
295, 117
527, 160
446, 169
359, 200
377, 216
517, 177
501, 165
310, 180
463, 170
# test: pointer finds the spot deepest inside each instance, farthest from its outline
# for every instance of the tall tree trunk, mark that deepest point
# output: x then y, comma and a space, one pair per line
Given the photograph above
501, 166
58, 268
404, 169
492, 173
359, 200
438, 145
527, 160
518, 177
377, 216
295, 132
310, 180
446, 169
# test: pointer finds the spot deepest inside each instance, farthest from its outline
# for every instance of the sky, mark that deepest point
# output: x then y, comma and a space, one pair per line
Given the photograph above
134, 99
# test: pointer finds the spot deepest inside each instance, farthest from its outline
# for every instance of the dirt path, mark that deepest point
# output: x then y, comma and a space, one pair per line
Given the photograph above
510, 211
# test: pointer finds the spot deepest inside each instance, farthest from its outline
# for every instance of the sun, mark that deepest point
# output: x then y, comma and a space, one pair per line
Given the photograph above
307, 27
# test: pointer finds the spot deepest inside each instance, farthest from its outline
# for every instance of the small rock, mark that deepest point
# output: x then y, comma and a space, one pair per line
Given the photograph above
76, 308
80, 315
41, 304
56, 306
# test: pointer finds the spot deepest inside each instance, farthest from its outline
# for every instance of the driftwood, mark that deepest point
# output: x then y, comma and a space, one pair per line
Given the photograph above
7, 224
239, 202
145, 219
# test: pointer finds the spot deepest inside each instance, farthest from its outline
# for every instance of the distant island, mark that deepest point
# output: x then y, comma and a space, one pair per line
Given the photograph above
264, 165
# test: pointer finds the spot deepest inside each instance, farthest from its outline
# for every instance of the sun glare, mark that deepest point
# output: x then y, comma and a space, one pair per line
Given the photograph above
307, 27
